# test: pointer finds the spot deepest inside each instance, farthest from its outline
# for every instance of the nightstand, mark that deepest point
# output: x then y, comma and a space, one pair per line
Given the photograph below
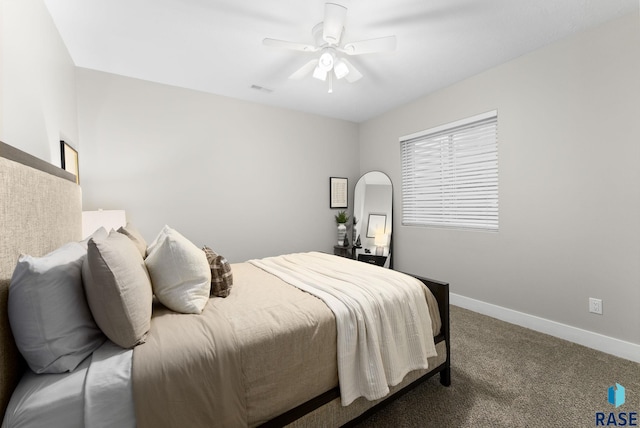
374, 260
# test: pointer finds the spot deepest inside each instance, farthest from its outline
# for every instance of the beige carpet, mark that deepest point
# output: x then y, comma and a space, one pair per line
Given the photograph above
508, 376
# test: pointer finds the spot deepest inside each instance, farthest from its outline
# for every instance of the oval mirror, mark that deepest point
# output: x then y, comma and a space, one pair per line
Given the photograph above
372, 209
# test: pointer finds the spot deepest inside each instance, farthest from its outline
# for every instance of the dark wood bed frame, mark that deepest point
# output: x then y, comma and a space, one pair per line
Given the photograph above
441, 292
438, 288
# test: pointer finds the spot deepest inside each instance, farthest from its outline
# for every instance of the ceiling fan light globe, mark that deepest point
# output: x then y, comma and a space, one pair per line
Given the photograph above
341, 69
319, 73
326, 61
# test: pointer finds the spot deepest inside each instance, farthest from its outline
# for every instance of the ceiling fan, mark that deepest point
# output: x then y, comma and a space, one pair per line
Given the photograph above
328, 35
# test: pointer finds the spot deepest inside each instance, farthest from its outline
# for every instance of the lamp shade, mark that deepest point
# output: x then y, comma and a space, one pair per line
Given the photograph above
109, 219
381, 239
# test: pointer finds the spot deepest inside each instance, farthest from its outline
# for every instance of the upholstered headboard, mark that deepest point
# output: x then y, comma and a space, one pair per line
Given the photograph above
40, 209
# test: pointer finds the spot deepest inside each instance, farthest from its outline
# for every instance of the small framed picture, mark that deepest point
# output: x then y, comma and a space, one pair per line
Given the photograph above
69, 160
339, 192
377, 223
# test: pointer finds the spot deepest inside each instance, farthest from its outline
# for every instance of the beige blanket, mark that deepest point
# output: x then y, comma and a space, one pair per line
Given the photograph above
247, 358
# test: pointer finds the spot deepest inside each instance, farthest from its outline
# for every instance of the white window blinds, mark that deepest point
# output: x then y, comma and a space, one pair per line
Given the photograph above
450, 175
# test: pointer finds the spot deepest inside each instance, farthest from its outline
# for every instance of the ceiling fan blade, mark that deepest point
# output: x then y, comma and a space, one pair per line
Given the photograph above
289, 45
354, 75
382, 44
334, 18
304, 70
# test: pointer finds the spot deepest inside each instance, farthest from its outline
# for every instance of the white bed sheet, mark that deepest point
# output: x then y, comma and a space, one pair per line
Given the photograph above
97, 393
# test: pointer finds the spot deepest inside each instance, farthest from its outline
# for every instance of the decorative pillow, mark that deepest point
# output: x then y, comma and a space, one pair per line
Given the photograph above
50, 320
101, 232
133, 234
179, 272
221, 276
118, 289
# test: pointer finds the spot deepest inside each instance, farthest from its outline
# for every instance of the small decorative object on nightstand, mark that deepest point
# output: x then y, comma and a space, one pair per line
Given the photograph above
356, 246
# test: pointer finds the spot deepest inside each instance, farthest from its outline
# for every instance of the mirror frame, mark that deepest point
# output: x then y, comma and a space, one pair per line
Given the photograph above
362, 218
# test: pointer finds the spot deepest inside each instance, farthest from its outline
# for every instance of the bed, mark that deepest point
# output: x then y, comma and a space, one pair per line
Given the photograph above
288, 380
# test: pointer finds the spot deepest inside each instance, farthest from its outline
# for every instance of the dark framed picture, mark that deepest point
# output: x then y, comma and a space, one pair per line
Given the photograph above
69, 160
377, 223
339, 192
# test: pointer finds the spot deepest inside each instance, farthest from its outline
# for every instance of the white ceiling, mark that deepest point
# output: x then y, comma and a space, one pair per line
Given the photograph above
216, 45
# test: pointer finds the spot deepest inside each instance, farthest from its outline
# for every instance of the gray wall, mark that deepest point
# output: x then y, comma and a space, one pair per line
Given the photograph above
569, 165
37, 82
246, 179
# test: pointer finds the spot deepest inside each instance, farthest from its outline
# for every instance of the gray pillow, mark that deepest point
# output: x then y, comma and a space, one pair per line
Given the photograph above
100, 232
118, 289
50, 319
135, 236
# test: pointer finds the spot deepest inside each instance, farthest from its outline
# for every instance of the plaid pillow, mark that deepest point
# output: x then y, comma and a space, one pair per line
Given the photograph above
221, 276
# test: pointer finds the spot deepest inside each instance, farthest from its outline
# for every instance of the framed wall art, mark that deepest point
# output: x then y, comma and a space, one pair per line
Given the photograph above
339, 192
377, 224
69, 160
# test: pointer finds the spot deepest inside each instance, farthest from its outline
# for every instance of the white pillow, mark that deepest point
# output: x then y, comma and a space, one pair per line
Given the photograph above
179, 271
48, 312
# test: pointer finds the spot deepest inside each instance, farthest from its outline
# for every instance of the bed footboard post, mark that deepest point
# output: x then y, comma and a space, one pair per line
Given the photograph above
445, 374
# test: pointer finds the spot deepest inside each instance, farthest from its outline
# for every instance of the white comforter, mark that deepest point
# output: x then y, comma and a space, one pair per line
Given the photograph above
384, 328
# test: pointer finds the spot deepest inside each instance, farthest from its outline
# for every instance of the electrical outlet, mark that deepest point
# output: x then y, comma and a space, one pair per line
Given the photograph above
595, 306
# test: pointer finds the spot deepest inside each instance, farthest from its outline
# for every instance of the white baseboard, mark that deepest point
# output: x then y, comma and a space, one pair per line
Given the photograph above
609, 345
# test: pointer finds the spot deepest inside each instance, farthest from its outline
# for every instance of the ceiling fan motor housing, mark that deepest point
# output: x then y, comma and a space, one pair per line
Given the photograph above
334, 18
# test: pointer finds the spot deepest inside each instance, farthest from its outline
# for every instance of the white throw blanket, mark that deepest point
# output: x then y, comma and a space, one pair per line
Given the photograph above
384, 328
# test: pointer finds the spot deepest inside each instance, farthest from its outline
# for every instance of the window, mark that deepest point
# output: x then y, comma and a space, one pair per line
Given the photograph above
450, 175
